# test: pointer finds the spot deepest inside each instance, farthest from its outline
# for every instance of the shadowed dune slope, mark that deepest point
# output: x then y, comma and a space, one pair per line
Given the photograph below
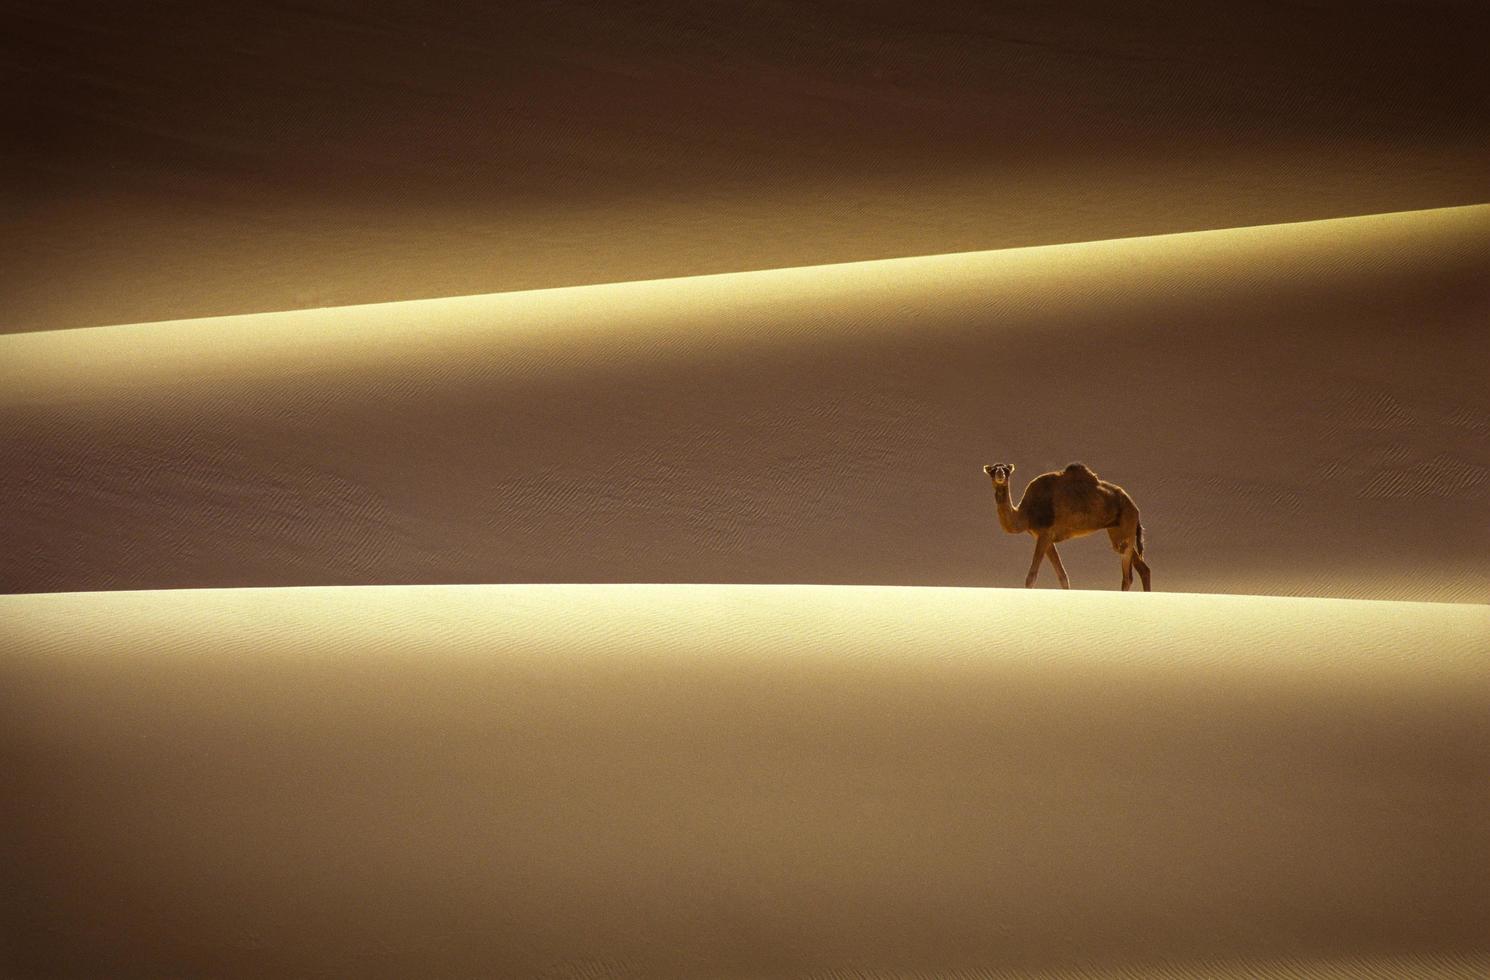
190, 159
1296, 409
786, 781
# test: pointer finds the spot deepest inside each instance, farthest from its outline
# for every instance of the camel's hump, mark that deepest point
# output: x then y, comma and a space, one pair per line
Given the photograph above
1081, 470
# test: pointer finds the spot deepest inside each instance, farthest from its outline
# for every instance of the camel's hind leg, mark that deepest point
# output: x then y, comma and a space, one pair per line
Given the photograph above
1143, 570
1124, 539
1060, 570
1042, 545
1122, 542
1131, 560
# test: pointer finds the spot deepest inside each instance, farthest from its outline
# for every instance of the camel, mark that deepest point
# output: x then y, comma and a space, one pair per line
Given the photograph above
1071, 503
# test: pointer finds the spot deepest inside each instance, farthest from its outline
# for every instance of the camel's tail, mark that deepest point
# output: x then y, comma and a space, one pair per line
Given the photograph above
1140, 537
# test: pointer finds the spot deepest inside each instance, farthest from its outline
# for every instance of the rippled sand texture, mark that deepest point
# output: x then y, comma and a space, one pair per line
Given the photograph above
743, 781
1296, 409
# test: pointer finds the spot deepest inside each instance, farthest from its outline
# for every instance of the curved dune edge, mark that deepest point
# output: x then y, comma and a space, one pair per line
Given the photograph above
839, 276
433, 154
1296, 409
1308, 241
808, 781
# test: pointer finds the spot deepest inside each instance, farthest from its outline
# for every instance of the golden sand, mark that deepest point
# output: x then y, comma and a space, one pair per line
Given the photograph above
638, 780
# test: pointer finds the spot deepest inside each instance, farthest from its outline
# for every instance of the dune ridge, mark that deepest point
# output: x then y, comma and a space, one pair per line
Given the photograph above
1309, 241
1297, 409
671, 780
433, 151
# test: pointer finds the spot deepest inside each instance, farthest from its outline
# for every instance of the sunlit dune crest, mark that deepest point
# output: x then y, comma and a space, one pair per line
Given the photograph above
664, 310
251, 159
1300, 408
665, 314
799, 781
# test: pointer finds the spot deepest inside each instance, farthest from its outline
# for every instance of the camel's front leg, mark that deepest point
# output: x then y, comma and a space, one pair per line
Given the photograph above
1042, 545
1060, 570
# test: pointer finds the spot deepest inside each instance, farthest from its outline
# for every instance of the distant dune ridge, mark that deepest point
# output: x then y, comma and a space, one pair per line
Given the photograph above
742, 781
1300, 409
222, 157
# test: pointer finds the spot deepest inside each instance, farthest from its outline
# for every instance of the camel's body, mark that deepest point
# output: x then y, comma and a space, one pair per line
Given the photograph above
1069, 503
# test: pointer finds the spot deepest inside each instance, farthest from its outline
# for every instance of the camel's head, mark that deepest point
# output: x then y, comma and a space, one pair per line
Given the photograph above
1000, 472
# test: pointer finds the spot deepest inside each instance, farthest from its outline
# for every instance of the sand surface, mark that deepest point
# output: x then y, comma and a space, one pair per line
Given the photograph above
1296, 409
738, 299
218, 157
784, 781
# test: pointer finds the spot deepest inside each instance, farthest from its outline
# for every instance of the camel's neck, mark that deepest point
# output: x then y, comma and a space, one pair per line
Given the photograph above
1009, 517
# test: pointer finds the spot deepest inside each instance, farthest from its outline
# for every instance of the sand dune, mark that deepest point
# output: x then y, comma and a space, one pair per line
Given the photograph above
1297, 409
232, 158
750, 781
249, 727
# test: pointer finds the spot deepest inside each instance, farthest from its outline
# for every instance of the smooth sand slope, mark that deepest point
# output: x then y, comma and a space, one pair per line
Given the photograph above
1296, 409
221, 157
751, 781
